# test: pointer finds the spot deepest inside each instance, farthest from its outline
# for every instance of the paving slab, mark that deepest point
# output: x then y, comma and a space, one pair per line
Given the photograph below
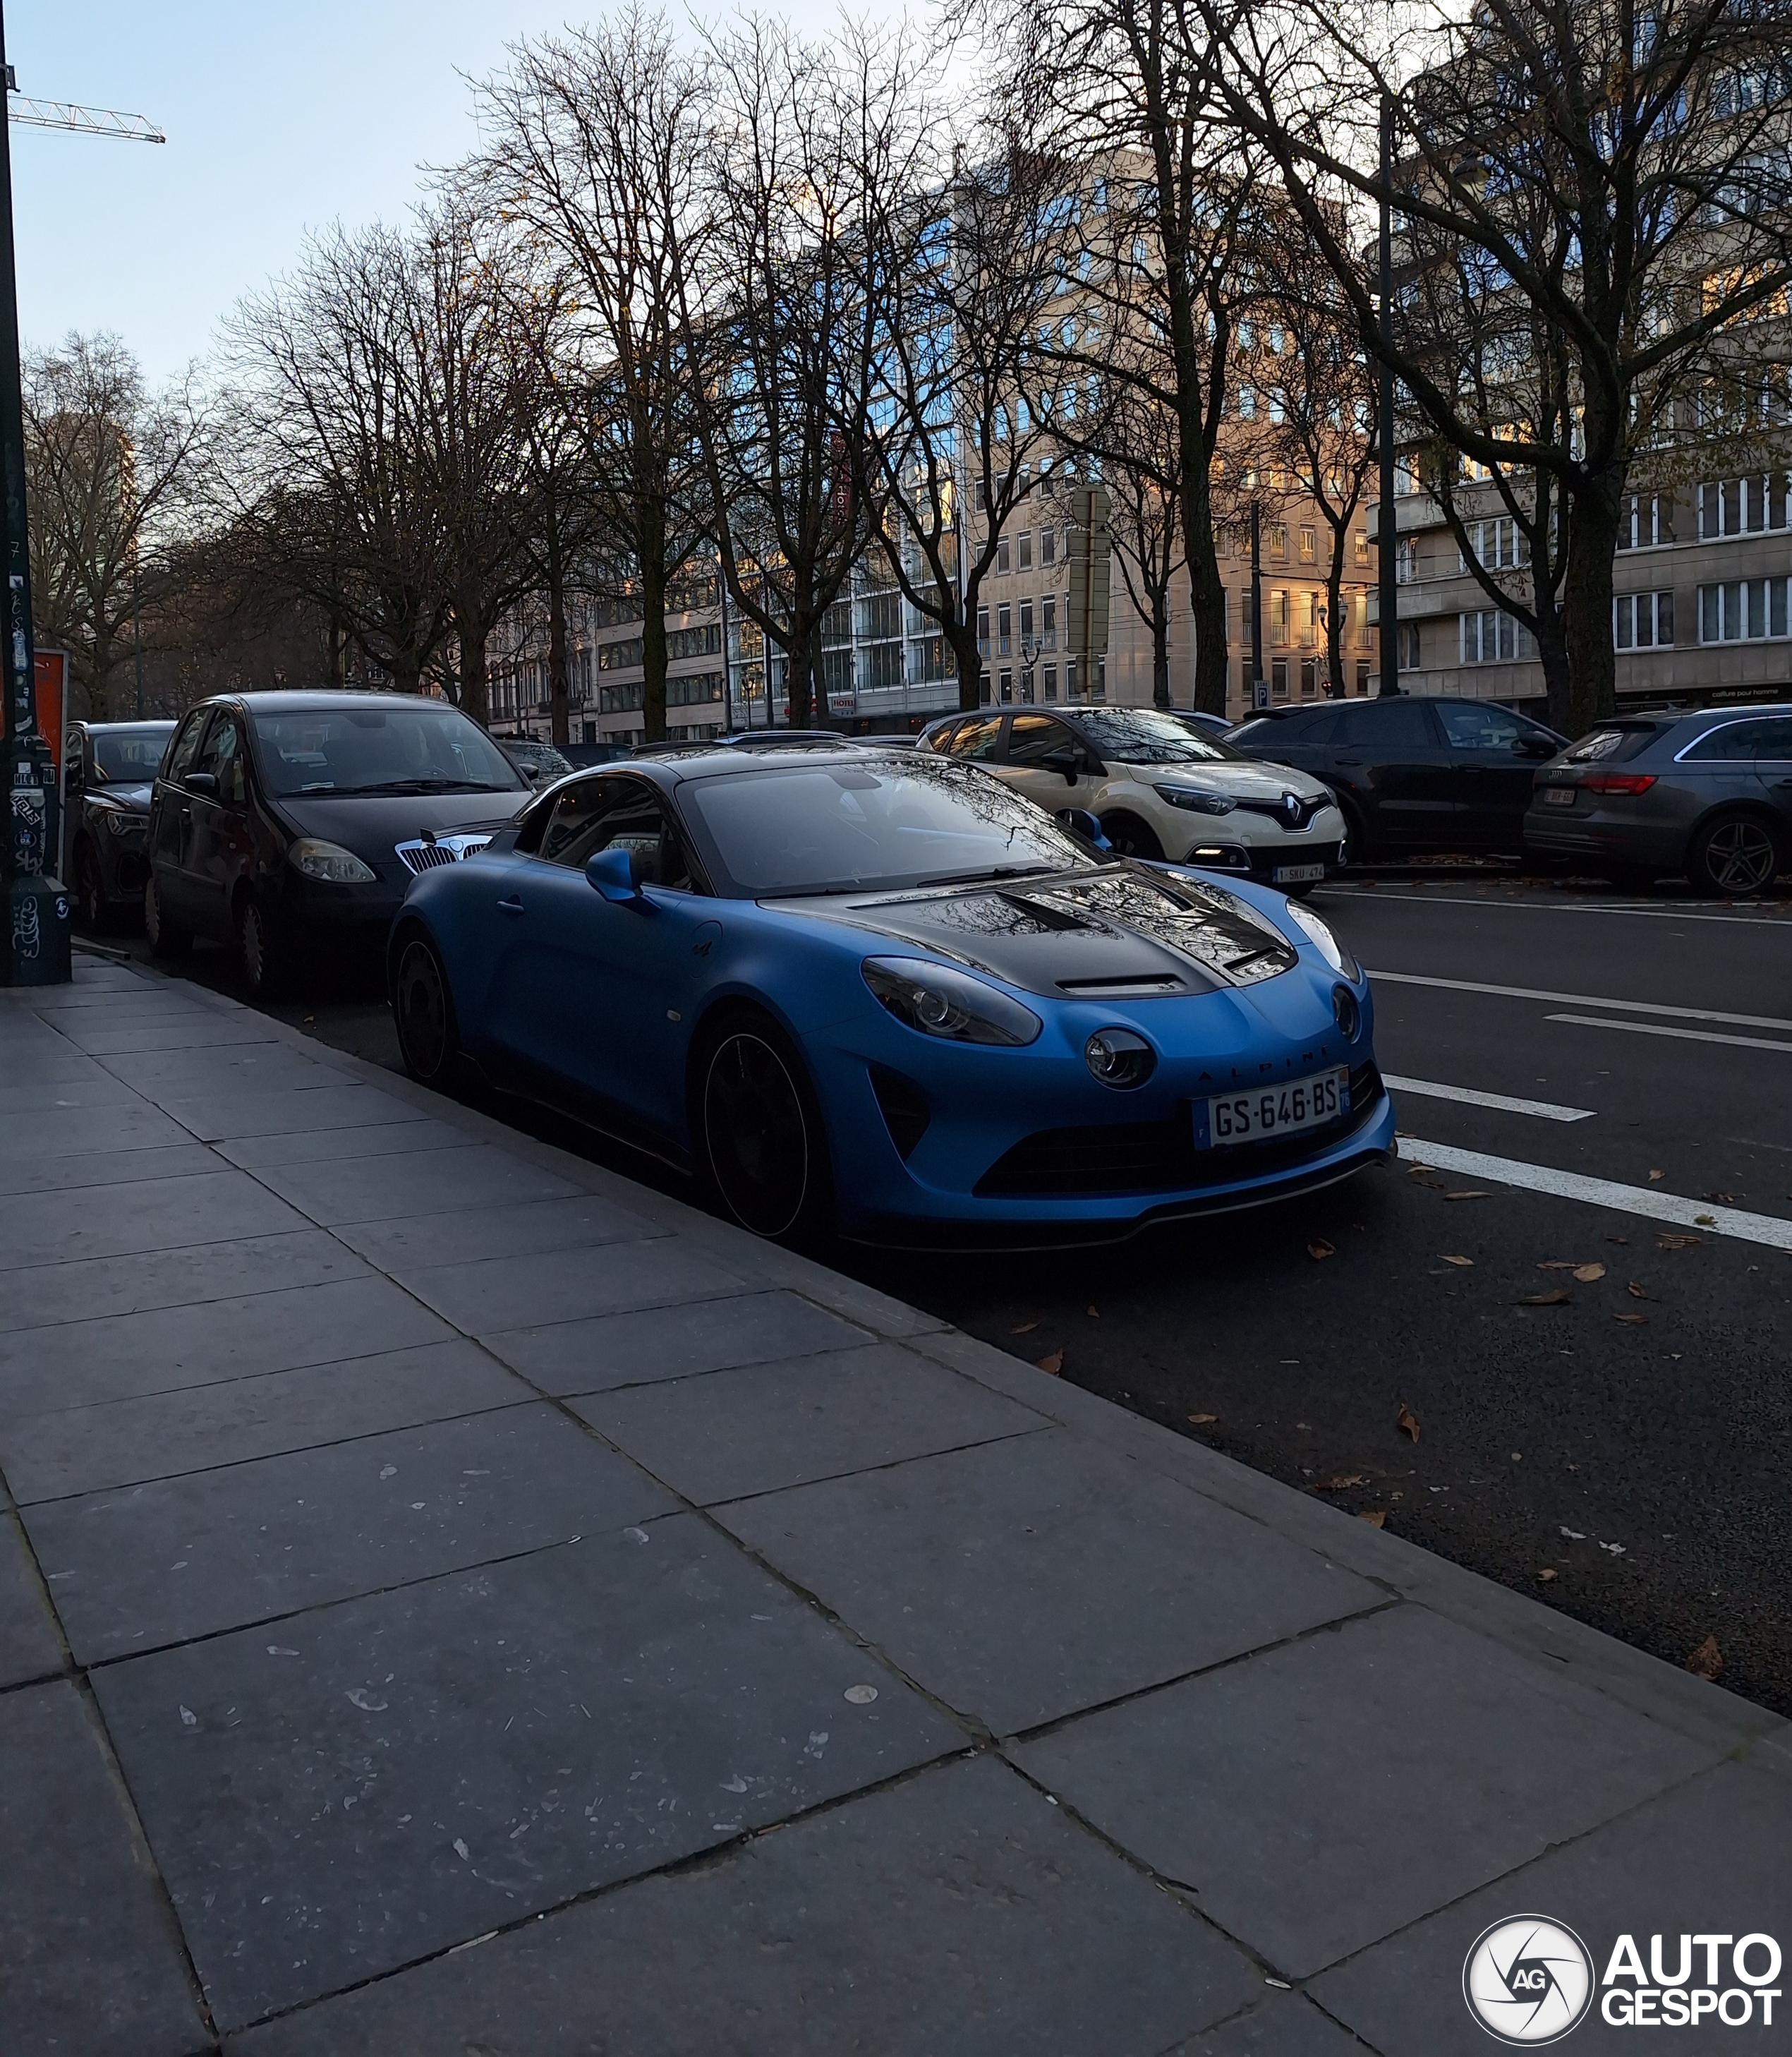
504, 1293
605, 1709
57, 1173
522, 1228
121, 1357
195, 1555
29, 1646
1023, 1581
217, 1117
90, 1963
361, 1189
258, 1068
336, 1144
198, 1029
1709, 1858
89, 1288
117, 1221
1280, 2025
610, 1350
60, 1083
1275, 1787
726, 1434
55, 1132
126, 1442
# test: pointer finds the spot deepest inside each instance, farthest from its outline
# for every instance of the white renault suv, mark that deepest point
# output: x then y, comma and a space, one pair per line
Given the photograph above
1159, 788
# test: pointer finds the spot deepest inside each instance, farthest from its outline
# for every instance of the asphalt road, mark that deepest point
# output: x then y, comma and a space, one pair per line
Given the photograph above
1621, 1451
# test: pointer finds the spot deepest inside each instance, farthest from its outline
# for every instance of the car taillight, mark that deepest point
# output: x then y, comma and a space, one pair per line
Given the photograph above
1619, 782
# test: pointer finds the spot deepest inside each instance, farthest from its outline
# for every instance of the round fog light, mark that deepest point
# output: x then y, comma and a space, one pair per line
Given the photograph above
1348, 1013
1119, 1058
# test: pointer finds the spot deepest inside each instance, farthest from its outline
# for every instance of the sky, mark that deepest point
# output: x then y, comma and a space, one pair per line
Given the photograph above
279, 118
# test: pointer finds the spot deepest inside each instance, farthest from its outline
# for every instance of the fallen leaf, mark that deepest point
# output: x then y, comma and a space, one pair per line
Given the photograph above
1448, 1256
1473, 1193
1589, 1275
1722, 1200
1321, 1249
1407, 1423
1615, 1549
1053, 1364
1618, 1239
1557, 1264
1654, 1175
1201, 1420
1094, 1314
1575, 1535
1024, 1328
1378, 1519
1666, 1242
1418, 1171
1546, 1577
1342, 1482
1559, 1296
1706, 1661
1633, 1320
1706, 1221
1637, 1291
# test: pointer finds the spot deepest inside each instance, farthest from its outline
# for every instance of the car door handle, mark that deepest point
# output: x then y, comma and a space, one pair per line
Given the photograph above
512, 906
1347, 760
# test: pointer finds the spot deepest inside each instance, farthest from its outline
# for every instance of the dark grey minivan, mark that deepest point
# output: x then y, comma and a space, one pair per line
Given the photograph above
1709, 795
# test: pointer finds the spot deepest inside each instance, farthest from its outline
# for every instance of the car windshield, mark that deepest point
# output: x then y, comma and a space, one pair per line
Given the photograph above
1141, 736
871, 825
129, 756
540, 757
421, 749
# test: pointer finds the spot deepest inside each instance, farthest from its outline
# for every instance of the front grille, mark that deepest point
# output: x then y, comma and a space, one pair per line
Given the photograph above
426, 852
1154, 1156
904, 1107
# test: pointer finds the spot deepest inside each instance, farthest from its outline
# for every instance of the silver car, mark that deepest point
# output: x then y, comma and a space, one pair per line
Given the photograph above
1709, 795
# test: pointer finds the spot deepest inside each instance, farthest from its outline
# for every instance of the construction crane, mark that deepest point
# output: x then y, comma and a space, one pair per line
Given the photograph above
84, 120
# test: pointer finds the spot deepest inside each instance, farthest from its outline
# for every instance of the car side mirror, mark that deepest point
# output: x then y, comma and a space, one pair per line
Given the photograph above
616, 874
1534, 746
1064, 761
1083, 824
204, 783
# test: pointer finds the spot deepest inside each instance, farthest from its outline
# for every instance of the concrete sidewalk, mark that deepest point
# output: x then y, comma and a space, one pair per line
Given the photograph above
454, 1600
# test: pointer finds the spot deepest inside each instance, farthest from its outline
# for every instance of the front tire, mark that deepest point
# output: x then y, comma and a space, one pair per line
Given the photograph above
263, 952
760, 1132
1734, 858
167, 938
423, 1012
90, 894
1132, 837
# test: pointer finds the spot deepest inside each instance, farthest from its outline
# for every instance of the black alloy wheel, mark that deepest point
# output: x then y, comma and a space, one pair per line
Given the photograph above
761, 1133
90, 897
167, 938
1131, 837
1734, 858
423, 1009
263, 951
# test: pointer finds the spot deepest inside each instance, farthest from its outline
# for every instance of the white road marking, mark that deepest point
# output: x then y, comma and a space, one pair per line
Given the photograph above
1582, 1000
1544, 1110
1661, 1028
1668, 914
1644, 1200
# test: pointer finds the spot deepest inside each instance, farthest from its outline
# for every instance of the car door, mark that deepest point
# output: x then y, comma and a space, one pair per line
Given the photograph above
171, 827
1032, 739
1494, 754
1390, 758
977, 740
1773, 767
220, 850
597, 995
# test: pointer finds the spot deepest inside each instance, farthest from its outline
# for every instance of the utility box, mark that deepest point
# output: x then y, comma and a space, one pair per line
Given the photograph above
1091, 549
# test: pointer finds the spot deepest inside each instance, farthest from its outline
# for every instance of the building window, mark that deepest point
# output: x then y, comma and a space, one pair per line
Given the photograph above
1278, 677
1051, 681
1048, 546
1279, 615
1027, 683
1048, 621
1247, 404
1645, 520
1101, 687
983, 690
1406, 561
1309, 546
1498, 545
1741, 506
1026, 621
1309, 678
1002, 556
1004, 630
1071, 690
1024, 545
1363, 546
1743, 611
1008, 685
1278, 539
983, 631
1641, 620
1490, 636
1362, 675
1409, 646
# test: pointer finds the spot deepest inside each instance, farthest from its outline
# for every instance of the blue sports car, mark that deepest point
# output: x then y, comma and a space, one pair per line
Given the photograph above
877, 990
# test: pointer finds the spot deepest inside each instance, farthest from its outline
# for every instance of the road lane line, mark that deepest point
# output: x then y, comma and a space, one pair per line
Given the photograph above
1582, 1000
1661, 1028
1734, 1221
1544, 1110
1667, 914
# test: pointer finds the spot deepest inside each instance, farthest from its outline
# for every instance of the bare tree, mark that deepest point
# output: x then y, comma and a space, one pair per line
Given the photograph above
113, 476
592, 151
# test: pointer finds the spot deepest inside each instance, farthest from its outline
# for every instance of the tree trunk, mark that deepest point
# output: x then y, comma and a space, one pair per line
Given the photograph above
1207, 593
969, 660
1334, 620
475, 691
335, 657
653, 639
561, 721
818, 674
1160, 651
1591, 663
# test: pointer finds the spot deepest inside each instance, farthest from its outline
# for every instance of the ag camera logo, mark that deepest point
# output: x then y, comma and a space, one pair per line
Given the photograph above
1528, 1981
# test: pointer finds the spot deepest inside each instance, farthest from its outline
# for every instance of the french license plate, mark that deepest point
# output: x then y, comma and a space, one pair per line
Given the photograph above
1558, 796
1297, 874
1267, 1111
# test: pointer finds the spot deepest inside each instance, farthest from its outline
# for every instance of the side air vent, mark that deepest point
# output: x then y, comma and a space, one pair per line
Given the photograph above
904, 1108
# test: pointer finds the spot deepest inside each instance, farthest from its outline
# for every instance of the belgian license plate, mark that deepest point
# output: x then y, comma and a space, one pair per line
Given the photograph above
1558, 796
1297, 874
1267, 1111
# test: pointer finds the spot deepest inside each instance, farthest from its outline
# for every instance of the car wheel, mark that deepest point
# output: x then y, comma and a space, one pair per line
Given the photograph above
423, 1009
1734, 858
1131, 837
90, 895
167, 938
762, 1131
1356, 849
263, 952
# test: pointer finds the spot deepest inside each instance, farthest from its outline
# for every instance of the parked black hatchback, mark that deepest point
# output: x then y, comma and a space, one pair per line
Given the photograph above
283, 820
110, 776
1412, 774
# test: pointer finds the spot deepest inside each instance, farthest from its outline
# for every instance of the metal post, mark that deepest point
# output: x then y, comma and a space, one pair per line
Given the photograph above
1256, 605
1388, 538
34, 943
727, 660
137, 632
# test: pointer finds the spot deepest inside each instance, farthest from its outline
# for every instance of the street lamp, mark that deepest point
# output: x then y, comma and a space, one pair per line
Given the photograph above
1388, 535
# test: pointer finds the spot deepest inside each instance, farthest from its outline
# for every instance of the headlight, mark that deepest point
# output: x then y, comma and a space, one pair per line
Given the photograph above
1333, 951
1195, 799
329, 861
120, 822
939, 1002
1119, 1058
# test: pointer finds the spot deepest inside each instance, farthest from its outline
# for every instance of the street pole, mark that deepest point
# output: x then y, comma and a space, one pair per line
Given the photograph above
34, 946
727, 661
1257, 695
1388, 537
136, 632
